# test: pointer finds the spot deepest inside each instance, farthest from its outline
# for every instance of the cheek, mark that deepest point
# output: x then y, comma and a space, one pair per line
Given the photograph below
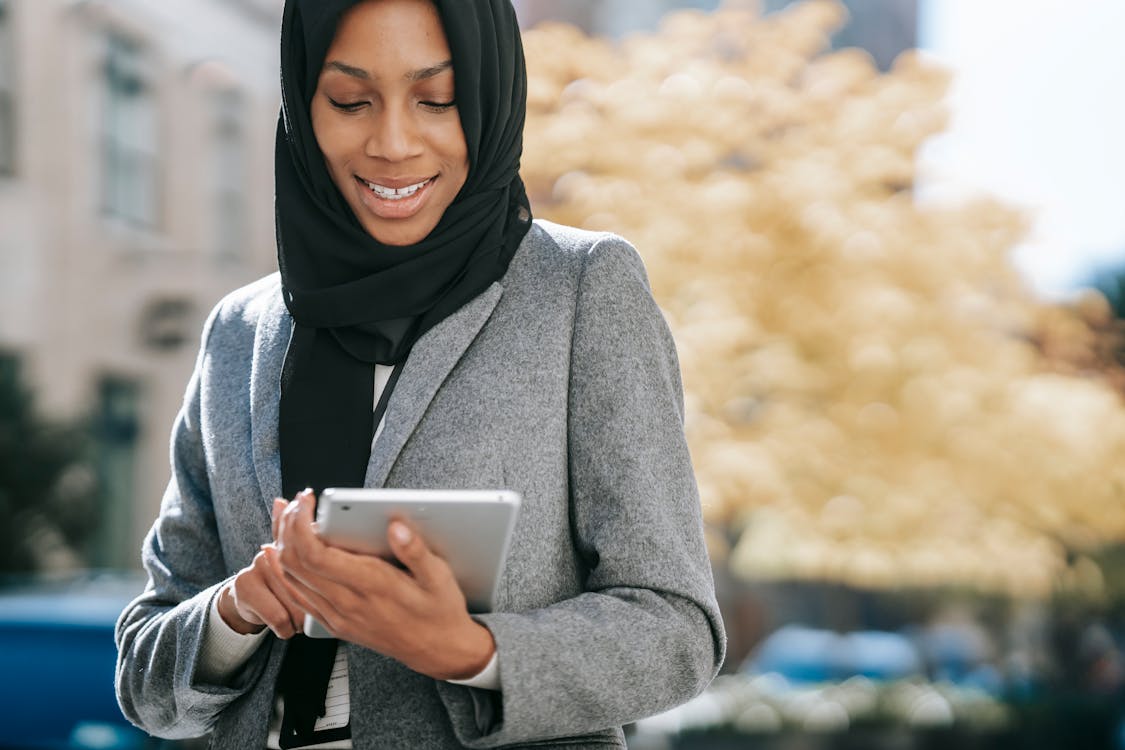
454, 151
333, 139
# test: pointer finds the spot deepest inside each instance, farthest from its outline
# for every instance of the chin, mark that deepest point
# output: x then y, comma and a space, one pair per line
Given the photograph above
398, 236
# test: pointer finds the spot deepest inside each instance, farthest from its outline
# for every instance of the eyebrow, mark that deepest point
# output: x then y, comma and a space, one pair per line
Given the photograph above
415, 75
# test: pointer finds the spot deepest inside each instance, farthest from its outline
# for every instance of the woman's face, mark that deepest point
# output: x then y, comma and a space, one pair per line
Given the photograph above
385, 118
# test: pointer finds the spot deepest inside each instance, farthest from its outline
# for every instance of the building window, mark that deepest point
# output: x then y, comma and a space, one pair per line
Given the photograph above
229, 173
117, 432
129, 156
7, 91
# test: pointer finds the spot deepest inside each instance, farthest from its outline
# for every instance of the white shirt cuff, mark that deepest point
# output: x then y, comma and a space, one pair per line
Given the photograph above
486, 679
224, 649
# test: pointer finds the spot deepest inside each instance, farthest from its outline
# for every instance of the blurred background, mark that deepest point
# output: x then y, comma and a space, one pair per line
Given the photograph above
887, 235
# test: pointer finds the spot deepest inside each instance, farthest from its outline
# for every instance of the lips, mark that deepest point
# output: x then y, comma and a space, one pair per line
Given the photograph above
399, 198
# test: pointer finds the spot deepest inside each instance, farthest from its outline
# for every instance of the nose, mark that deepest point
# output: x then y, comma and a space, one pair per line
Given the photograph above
394, 136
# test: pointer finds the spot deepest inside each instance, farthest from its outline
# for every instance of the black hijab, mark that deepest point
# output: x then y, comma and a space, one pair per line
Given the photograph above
374, 298
356, 301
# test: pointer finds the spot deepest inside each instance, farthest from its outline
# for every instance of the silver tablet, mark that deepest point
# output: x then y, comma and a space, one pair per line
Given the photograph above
469, 529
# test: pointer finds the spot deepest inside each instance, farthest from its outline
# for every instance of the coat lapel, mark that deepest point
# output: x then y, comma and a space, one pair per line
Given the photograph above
271, 342
430, 362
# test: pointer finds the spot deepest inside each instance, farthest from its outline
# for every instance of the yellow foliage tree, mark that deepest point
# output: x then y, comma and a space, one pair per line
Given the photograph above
866, 398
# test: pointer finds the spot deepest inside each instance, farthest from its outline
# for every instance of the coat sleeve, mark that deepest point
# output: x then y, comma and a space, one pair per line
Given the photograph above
159, 634
646, 634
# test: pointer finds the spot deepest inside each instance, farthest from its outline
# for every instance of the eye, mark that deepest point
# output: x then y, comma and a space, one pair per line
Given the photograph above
346, 106
439, 106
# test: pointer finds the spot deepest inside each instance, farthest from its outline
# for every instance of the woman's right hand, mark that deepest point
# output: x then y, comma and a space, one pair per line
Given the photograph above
257, 598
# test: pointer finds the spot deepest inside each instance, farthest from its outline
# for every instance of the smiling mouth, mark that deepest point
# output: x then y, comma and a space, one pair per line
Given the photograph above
395, 203
395, 194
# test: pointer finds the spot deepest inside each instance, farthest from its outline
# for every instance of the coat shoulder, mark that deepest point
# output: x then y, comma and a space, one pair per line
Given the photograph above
249, 303
240, 318
552, 249
560, 238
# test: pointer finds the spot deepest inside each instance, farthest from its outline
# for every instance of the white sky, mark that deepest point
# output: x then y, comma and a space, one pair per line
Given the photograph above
1039, 119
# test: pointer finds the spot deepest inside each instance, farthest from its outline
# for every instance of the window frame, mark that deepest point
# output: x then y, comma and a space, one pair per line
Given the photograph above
130, 180
9, 72
229, 172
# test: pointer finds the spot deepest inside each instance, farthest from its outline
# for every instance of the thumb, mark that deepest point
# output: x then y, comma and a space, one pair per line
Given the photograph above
413, 552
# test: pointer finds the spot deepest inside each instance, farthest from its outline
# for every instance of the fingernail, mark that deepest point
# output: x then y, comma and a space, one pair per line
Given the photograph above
401, 533
307, 492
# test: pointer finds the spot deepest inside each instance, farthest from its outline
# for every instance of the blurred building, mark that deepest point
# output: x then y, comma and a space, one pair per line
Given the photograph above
136, 187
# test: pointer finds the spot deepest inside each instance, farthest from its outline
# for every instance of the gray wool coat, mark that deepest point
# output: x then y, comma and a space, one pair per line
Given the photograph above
560, 381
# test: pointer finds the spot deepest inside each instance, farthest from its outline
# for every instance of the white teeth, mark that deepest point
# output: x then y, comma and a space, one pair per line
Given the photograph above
392, 194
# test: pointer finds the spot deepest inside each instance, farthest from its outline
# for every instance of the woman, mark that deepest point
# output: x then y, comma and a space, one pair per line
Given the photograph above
423, 332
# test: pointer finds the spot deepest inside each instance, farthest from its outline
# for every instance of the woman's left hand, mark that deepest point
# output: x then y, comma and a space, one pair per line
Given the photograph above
417, 616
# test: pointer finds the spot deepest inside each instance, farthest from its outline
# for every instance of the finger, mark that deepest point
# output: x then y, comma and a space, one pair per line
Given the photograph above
303, 501
275, 580
305, 556
429, 570
301, 511
279, 505
281, 624
269, 606
253, 599
294, 546
240, 619
319, 606
296, 541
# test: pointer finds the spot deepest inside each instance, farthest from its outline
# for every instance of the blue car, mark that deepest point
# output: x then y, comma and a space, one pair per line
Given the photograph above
57, 659
811, 655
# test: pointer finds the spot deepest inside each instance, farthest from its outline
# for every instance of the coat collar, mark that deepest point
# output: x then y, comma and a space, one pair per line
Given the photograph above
431, 360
